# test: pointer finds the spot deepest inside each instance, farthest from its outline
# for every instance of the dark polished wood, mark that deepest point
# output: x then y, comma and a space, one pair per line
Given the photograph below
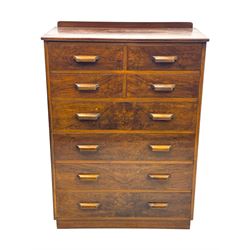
122, 204
124, 176
64, 85
124, 108
125, 223
120, 25
61, 56
141, 57
127, 115
186, 85
125, 32
124, 147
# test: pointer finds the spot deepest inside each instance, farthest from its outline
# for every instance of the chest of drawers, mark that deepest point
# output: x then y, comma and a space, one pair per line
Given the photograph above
124, 108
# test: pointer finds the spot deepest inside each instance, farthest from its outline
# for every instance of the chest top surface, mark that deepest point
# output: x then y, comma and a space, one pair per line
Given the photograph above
125, 32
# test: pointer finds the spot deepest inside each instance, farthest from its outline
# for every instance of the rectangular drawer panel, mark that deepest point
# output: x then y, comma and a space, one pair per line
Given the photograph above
127, 115
124, 146
61, 56
86, 85
124, 176
184, 85
122, 204
188, 57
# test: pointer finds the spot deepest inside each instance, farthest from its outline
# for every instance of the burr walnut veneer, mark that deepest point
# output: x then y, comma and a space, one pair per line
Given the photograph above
124, 108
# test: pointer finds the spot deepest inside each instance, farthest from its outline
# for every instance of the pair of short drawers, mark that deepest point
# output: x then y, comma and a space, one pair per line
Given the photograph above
123, 119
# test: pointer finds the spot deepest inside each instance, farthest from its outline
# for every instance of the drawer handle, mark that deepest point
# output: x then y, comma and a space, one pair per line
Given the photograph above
160, 148
87, 116
87, 86
88, 177
87, 148
161, 117
159, 176
158, 204
163, 87
89, 205
164, 59
85, 59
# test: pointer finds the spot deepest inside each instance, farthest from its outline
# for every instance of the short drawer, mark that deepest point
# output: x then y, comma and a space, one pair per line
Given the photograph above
164, 57
74, 205
124, 147
84, 56
86, 85
183, 85
76, 115
89, 176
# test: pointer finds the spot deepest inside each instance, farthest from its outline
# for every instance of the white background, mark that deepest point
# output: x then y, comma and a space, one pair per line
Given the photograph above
222, 208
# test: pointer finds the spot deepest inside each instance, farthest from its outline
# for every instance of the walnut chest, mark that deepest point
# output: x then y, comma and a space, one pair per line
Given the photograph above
124, 108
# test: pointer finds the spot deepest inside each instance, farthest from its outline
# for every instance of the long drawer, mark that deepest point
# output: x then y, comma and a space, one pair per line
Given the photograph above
124, 115
123, 146
89, 176
84, 56
77, 205
164, 57
86, 85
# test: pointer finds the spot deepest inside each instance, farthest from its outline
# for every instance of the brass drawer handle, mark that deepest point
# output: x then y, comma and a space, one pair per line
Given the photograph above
88, 177
160, 148
87, 148
161, 117
159, 176
87, 86
89, 205
158, 204
85, 59
163, 87
87, 116
164, 59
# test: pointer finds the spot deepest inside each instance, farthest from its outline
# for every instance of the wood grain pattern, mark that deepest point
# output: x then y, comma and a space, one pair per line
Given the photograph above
61, 56
63, 85
124, 115
120, 25
122, 204
198, 127
125, 167
124, 147
140, 57
140, 85
124, 176
125, 32
127, 223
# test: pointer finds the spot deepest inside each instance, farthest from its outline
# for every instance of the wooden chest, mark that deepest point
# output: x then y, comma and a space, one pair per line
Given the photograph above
124, 108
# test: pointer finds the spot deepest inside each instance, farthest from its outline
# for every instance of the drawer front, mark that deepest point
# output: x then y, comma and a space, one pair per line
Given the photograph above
184, 85
74, 205
89, 176
124, 147
85, 56
169, 57
136, 116
86, 85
